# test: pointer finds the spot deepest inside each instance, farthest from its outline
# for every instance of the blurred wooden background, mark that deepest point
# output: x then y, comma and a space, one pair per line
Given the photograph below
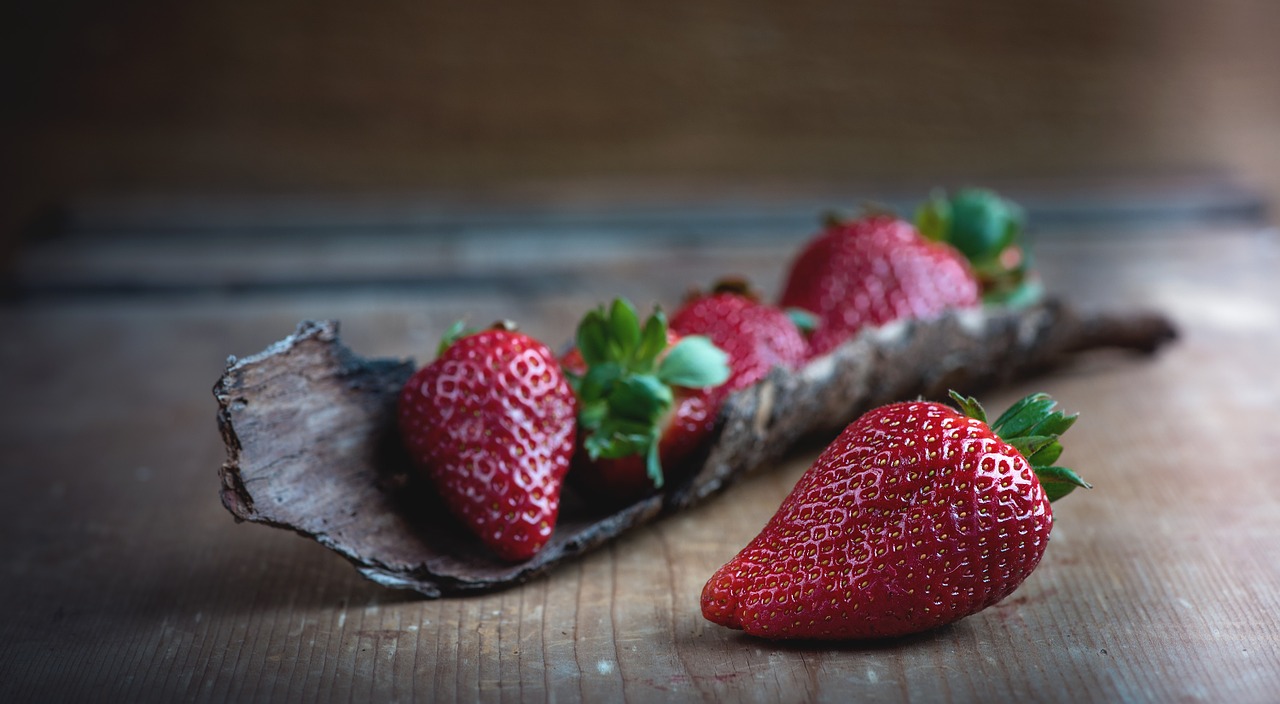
224, 170
592, 97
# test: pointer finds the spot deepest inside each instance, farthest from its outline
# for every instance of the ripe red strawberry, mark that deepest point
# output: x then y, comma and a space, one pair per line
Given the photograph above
619, 480
491, 422
643, 400
988, 230
916, 516
872, 271
756, 336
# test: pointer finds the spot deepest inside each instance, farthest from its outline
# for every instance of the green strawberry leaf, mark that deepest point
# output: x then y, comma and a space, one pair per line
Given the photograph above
983, 224
591, 414
653, 463
933, 217
1033, 427
615, 439
653, 340
593, 338
624, 329
1029, 445
598, 382
1046, 455
832, 218
1059, 481
1033, 415
642, 398
969, 406
1021, 295
1023, 415
574, 379
456, 332
804, 321
694, 362
1056, 423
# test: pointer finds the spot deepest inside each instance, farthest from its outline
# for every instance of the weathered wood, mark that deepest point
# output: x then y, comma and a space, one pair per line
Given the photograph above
312, 446
126, 579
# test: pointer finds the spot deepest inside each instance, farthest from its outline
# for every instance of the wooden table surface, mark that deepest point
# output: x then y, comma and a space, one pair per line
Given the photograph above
125, 579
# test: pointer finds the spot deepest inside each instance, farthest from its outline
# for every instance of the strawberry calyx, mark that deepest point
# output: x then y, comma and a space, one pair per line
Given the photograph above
455, 332
1032, 426
738, 286
459, 330
627, 392
988, 230
805, 321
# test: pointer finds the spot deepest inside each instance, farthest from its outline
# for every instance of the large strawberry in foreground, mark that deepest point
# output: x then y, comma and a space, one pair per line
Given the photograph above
872, 271
491, 422
645, 400
916, 516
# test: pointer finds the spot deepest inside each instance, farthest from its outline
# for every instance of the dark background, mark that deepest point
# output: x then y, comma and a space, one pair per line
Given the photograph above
324, 97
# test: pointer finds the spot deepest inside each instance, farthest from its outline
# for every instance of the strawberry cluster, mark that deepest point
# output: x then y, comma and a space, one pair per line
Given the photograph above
894, 528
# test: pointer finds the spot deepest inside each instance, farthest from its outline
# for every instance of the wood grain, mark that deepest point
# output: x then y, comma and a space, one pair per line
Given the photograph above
125, 579
292, 97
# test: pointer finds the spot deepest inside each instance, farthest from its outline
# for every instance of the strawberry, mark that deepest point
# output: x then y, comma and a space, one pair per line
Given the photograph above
644, 400
491, 422
872, 271
916, 516
988, 230
756, 336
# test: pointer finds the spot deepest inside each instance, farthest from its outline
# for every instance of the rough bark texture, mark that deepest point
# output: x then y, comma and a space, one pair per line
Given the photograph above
311, 440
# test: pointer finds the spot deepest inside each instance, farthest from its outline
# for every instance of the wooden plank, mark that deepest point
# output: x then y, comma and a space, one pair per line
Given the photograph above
125, 579
300, 246
208, 98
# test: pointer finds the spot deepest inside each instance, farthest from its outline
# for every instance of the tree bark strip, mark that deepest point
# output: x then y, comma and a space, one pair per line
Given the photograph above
311, 439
